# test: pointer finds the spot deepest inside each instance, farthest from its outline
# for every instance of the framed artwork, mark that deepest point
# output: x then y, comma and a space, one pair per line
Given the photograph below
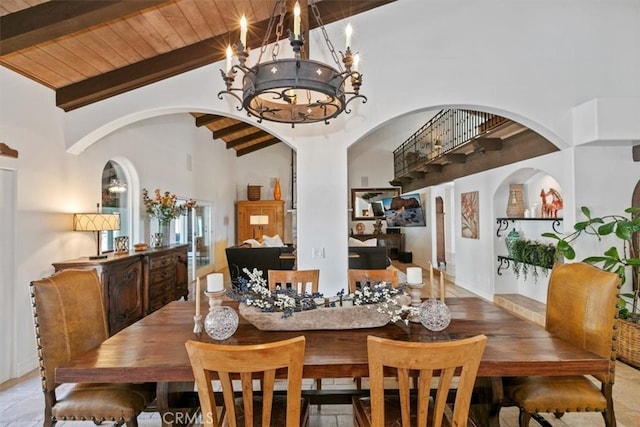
469, 210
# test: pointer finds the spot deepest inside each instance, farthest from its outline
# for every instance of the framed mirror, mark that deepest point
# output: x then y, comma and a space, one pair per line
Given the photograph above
366, 203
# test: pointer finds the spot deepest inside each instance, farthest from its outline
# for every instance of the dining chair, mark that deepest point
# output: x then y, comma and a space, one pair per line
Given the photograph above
69, 317
448, 367
359, 277
305, 281
581, 309
249, 362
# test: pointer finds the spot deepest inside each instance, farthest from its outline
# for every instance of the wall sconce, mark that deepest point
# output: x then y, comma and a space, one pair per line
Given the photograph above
259, 221
97, 222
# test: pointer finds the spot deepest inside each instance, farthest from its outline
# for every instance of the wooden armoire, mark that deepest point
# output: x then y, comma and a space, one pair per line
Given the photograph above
273, 209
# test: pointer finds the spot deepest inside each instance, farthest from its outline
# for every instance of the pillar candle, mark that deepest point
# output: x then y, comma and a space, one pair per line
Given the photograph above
441, 287
215, 282
414, 275
198, 296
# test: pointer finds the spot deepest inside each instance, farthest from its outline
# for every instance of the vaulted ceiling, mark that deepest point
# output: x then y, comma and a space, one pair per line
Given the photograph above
88, 51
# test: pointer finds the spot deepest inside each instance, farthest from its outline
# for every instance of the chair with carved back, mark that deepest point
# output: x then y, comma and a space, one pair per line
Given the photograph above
304, 281
359, 277
249, 362
581, 309
452, 365
70, 319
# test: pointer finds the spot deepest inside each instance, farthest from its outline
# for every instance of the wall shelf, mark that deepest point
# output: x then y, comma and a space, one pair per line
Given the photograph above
505, 262
503, 223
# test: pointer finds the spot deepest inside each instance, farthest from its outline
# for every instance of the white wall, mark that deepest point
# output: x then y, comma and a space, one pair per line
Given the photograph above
531, 61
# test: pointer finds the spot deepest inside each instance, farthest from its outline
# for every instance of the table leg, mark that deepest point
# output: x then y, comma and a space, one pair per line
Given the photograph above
486, 402
178, 403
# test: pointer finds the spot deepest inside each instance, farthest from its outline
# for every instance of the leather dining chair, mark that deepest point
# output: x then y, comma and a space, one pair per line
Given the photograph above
358, 277
245, 362
69, 318
581, 309
453, 365
304, 280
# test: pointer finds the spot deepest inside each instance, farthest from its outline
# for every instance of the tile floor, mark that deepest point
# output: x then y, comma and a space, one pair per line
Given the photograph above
21, 401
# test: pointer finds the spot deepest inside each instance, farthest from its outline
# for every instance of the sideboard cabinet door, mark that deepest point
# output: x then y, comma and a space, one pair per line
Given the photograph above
124, 293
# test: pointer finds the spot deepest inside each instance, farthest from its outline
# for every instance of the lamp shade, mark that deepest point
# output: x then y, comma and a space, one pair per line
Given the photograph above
95, 222
258, 219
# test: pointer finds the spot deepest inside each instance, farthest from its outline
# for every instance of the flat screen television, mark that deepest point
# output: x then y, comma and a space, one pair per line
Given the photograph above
404, 211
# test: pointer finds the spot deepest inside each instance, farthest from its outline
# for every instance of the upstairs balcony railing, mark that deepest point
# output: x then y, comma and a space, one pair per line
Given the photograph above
446, 131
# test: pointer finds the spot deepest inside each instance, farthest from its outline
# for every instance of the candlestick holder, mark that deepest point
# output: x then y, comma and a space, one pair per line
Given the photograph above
197, 323
222, 321
415, 291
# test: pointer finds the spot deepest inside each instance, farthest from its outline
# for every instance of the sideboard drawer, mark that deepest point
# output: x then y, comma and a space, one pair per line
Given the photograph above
162, 261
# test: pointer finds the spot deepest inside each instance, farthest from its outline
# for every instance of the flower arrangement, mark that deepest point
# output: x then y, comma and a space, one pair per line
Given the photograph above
386, 299
381, 295
164, 206
255, 292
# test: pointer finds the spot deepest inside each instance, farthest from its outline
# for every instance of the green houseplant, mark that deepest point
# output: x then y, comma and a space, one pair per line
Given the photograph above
529, 256
619, 259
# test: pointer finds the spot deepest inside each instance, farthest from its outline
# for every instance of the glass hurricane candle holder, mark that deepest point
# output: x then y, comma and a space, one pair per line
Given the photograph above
434, 314
222, 321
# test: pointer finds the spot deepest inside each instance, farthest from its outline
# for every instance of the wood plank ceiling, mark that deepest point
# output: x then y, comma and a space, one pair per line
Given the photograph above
88, 51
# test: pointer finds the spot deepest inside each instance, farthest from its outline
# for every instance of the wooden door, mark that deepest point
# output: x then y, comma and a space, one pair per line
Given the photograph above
440, 251
273, 209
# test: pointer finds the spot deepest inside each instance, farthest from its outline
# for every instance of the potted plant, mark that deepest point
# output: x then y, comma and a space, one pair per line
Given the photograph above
615, 259
529, 256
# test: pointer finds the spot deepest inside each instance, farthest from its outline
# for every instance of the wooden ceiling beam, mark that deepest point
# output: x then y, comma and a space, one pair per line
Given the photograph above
208, 119
247, 138
46, 21
256, 147
230, 129
188, 58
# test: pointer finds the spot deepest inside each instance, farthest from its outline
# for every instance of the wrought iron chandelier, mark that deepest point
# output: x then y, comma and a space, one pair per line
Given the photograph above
293, 90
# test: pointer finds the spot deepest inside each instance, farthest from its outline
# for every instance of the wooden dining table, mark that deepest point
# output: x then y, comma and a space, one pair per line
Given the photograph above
153, 350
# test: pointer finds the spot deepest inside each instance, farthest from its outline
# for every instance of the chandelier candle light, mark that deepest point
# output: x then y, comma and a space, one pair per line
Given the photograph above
295, 90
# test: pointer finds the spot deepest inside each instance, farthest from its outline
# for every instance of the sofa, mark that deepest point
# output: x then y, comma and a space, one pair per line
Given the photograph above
368, 257
263, 258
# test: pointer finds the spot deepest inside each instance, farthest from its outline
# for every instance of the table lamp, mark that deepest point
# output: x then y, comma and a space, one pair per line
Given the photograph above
97, 222
259, 221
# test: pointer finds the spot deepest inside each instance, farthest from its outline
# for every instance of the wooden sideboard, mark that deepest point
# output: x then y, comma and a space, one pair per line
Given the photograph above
273, 209
394, 242
137, 283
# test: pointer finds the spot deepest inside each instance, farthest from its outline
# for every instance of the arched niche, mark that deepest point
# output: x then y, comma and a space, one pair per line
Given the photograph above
530, 227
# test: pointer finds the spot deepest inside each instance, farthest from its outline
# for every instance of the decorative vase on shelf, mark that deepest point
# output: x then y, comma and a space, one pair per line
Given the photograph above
510, 239
515, 202
277, 192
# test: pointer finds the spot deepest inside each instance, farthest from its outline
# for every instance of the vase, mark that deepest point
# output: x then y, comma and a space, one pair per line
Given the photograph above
277, 193
510, 239
162, 237
515, 202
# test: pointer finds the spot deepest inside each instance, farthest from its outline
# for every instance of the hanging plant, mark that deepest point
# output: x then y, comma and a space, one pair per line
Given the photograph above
529, 257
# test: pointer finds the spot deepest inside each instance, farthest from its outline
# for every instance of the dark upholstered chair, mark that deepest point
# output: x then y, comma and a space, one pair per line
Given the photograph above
442, 362
245, 361
368, 257
263, 259
581, 309
70, 319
